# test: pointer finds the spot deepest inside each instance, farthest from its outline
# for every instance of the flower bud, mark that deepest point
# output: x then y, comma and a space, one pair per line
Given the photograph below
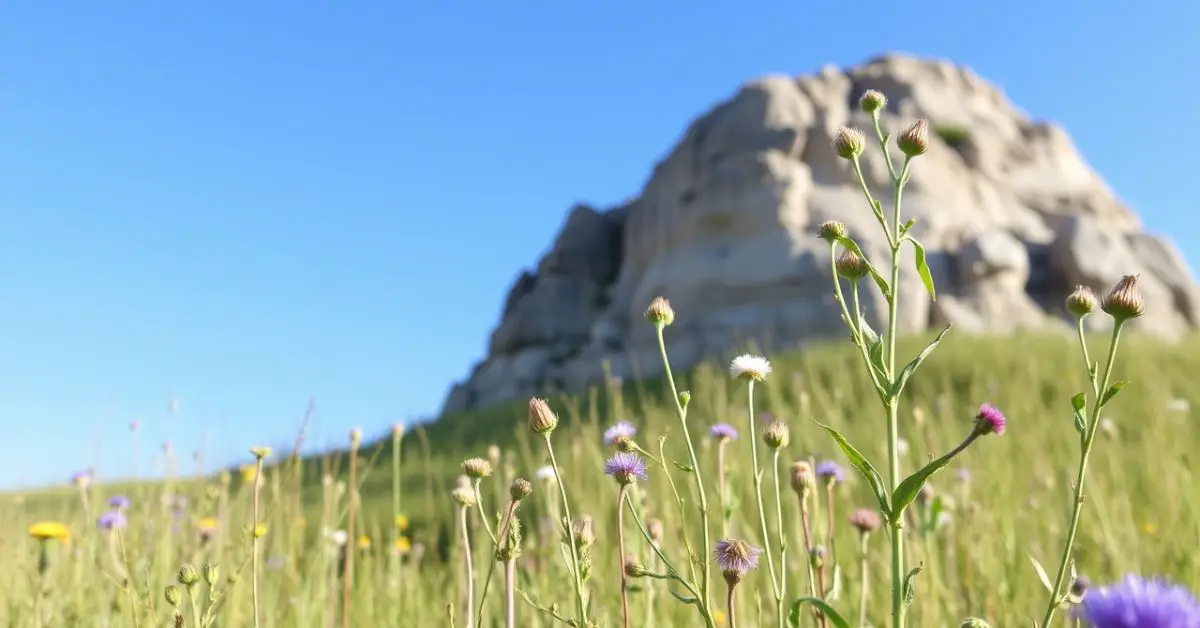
476, 468
584, 531
849, 143
355, 436
915, 140
865, 521
173, 595
872, 101
1081, 302
187, 575
660, 312
398, 430
260, 452
816, 557
464, 496
1125, 300
634, 569
850, 265
542, 419
831, 230
211, 573
520, 489
685, 397
803, 478
775, 434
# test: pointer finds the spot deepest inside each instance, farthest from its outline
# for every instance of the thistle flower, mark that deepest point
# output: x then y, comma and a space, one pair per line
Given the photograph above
520, 489
1082, 301
1142, 603
625, 467
736, 557
831, 472
1125, 300
915, 140
464, 496
803, 479
119, 502
82, 479
660, 312
776, 434
172, 595
723, 432
872, 101
583, 531
989, 420
848, 142
831, 230
476, 468
750, 367
111, 520
542, 419
634, 569
622, 432
865, 520
851, 266
50, 531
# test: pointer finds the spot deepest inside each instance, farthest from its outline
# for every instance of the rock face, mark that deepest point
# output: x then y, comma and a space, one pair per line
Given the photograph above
1010, 213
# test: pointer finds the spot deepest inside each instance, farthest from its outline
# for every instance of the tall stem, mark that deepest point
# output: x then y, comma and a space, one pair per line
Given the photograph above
1084, 454
562, 493
348, 562
621, 554
258, 473
470, 571
729, 608
510, 600
865, 577
806, 527
762, 516
721, 487
893, 405
779, 602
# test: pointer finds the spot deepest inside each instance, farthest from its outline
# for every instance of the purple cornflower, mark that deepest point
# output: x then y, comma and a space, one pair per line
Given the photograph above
735, 557
622, 431
723, 431
120, 502
82, 478
111, 520
989, 420
831, 472
625, 467
1139, 603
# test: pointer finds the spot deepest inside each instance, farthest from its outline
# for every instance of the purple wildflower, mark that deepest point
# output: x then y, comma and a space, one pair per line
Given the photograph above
111, 520
989, 420
766, 418
723, 431
622, 431
735, 557
1142, 603
625, 467
831, 472
120, 502
82, 478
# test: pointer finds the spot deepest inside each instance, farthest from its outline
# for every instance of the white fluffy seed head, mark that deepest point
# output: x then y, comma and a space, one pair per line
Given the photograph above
750, 367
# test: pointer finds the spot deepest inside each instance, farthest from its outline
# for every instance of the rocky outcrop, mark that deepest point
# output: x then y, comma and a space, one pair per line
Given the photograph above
1011, 214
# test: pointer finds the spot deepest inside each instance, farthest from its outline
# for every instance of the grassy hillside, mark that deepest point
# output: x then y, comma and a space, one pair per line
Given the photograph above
1138, 513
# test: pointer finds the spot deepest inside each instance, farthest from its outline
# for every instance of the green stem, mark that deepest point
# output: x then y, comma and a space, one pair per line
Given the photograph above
621, 498
672, 572
729, 608
254, 540
893, 404
562, 493
1084, 454
782, 543
866, 574
752, 435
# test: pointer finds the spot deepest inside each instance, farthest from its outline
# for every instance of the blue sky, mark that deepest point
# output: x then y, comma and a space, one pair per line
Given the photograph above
243, 205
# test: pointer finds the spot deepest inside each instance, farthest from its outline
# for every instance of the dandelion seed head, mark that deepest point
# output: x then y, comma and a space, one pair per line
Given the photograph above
750, 367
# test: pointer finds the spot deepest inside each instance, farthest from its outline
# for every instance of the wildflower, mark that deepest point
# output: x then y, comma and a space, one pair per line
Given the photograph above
402, 546
584, 531
1125, 300
188, 576
989, 420
723, 432
915, 140
520, 489
364, 542
259, 530
338, 538
803, 479
1143, 603
119, 502
464, 496
660, 312
50, 531
172, 594
831, 230
735, 557
260, 452
401, 521
634, 569
82, 479
211, 573
1081, 302
620, 434
865, 520
542, 419
249, 472
776, 434
831, 472
848, 142
476, 468
872, 101
750, 367
111, 520
625, 467
545, 473
851, 266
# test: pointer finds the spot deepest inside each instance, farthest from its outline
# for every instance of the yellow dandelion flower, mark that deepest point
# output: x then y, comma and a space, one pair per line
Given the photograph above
207, 524
718, 617
249, 472
1149, 529
50, 531
401, 522
364, 542
259, 530
403, 545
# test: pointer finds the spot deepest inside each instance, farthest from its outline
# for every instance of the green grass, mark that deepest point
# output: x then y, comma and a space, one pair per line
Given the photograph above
1138, 515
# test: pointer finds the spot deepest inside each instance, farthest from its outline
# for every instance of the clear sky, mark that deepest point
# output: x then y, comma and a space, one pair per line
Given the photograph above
242, 205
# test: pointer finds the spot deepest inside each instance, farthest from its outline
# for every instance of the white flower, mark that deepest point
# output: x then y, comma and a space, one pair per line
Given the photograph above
748, 366
901, 446
338, 537
546, 473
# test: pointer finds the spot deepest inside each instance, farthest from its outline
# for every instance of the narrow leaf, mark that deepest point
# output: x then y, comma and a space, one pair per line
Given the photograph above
923, 268
1079, 402
910, 585
682, 598
682, 467
911, 367
911, 486
1041, 574
907, 225
822, 605
864, 467
1112, 392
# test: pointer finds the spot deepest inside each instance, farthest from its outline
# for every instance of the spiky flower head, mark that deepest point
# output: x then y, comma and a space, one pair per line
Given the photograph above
464, 496
520, 489
735, 557
851, 265
989, 420
1125, 300
723, 432
119, 502
584, 531
476, 468
542, 419
625, 467
1141, 603
776, 435
865, 520
211, 573
1082, 301
50, 531
660, 312
685, 397
915, 140
832, 230
973, 622
173, 595
260, 453
621, 433
188, 576
803, 478
849, 142
831, 472
112, 520
872, 101
750, 367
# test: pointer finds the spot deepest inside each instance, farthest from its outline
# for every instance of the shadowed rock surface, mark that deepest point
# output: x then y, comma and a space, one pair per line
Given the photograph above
1011, 214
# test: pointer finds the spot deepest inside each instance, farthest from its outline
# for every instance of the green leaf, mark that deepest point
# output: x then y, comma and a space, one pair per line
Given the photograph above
906, 226
682, 598
910, 585
682, 467
822, 605
911, 368
1079, 402
879, 280
1041, 574
864, 467
923, 267
911, 486
1112, 392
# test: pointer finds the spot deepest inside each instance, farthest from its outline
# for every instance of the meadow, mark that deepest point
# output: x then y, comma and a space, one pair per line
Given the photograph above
740, 494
